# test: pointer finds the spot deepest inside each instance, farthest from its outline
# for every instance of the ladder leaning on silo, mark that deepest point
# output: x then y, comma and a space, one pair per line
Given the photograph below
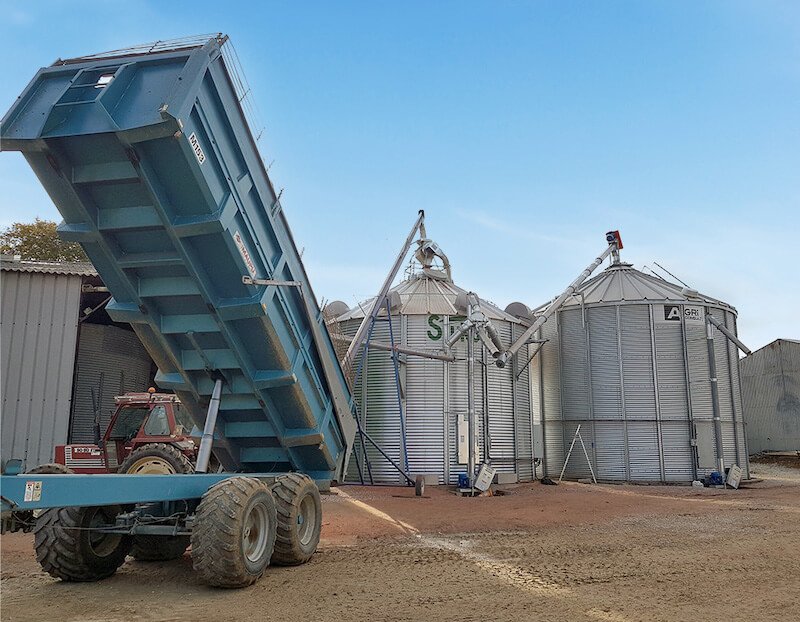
577, 436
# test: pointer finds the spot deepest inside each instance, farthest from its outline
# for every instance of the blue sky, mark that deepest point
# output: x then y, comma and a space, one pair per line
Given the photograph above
524, 129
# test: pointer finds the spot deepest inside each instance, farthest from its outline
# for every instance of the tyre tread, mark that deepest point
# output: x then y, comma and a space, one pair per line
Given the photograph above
288, 491
216, 547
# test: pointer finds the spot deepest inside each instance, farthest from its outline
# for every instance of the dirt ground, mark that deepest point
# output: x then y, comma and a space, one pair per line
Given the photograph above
571, 552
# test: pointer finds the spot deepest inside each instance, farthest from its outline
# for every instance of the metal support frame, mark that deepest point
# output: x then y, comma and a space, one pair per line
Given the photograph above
362, 433
477, 324
207, 440
712, 370
248, 280
613, 249
405, 475
536, 350
388, 347
400, 408
577, 436
57, 491
363, 337
725, 331
368, 321
471, 406
360, 429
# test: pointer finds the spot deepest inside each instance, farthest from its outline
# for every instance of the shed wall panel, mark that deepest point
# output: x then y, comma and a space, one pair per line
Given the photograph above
39, 330
770, 384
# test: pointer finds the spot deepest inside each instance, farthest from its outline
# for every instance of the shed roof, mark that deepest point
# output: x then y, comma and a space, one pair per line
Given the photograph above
78, 268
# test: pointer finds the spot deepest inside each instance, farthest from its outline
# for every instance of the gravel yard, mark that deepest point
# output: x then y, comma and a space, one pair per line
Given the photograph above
572, 552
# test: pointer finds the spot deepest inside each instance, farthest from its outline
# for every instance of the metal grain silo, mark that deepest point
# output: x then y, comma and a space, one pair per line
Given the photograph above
422, 426
626, 357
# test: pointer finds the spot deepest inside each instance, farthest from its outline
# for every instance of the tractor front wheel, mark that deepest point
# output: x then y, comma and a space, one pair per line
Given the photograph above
234, 532
156, 459
69, 547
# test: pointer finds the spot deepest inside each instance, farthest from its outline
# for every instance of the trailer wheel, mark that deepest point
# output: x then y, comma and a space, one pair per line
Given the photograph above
234, 532
149, 548
67, 549
155, 459
299, 519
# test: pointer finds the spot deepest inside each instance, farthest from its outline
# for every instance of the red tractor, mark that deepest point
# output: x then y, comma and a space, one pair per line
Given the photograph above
148, 433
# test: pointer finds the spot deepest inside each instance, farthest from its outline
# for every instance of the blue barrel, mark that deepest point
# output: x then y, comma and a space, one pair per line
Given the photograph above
149, 158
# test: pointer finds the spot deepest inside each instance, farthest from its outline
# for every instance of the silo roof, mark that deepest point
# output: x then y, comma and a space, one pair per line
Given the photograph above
426, 293
623, 283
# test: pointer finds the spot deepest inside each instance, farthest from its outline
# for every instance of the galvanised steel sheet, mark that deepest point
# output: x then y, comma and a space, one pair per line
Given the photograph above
523, 420
648, 392
38, 330
110, 361
426, 421
770, 385
151, 163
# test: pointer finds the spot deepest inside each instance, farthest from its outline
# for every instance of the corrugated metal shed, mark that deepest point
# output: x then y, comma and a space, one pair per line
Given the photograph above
39, 327
77, 268
110, 361
771, 393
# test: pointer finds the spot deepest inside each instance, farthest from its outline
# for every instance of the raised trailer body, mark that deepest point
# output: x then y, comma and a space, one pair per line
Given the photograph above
148, 155
150, 161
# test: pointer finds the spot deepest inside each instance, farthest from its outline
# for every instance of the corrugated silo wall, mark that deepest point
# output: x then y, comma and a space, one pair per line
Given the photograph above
39, 320
621, 372
378, 410
435, 398
426, 422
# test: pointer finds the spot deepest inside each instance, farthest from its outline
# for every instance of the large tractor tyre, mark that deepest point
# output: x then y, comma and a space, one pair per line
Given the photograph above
155, 459
149, 548
68, 549
234, 532
299, 519
27, 518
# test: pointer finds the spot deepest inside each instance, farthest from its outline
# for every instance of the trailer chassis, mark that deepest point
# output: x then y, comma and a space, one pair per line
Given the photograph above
162, 515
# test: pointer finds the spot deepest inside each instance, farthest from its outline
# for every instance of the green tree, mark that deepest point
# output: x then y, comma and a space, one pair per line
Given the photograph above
38, 240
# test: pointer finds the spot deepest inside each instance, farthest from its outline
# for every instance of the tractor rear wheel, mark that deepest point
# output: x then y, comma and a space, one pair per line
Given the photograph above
27, 518
69, 549
148, 548
234, 532
52, 468
156, 459
299, 519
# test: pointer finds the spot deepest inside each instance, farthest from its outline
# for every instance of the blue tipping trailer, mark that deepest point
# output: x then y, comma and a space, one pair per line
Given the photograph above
148, 155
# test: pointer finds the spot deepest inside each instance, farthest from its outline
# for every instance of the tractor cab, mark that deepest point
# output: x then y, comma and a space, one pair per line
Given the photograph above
148, 433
